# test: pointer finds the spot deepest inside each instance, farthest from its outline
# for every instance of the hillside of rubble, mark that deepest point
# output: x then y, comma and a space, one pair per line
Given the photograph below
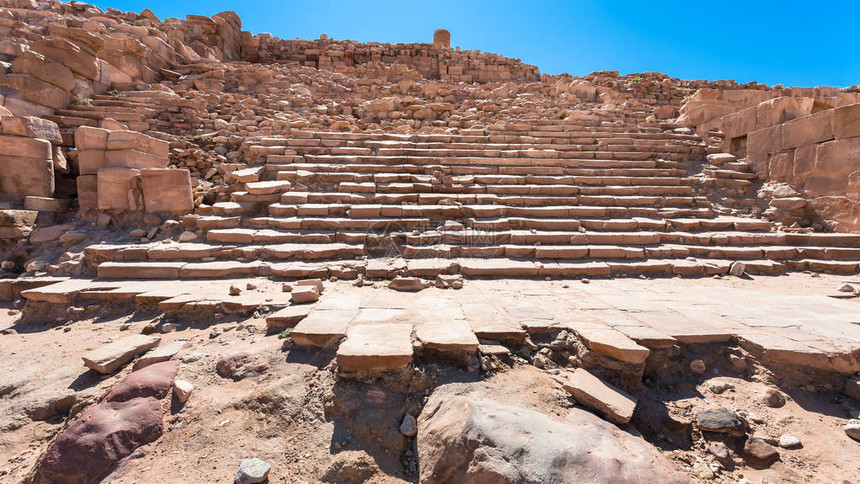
225, 255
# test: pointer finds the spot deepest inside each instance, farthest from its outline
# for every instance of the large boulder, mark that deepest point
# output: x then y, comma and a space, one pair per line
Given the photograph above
91, 447
466, 436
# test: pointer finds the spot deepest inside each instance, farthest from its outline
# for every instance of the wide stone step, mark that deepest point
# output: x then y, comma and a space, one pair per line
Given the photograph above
376, 348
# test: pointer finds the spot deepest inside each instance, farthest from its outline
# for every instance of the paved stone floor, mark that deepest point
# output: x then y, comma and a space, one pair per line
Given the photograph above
788, 319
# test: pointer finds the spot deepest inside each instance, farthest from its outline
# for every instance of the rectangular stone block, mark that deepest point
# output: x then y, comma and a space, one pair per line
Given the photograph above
167, 190
21, 177
35, 91
132, 140
846, 121
89, 138
91, 161
25, 147
807, 130
134, 159
762, 143
116, 189
46, 204
88, 190
740, 123
31, 127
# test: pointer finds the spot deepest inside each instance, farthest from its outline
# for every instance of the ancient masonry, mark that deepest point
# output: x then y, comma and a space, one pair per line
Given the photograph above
164, 165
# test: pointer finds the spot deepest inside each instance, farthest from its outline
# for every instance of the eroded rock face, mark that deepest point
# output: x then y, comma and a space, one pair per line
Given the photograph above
128, 416
469, 438
91, 447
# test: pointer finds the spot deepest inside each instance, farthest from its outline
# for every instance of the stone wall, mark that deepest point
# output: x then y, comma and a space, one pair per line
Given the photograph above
432, 61
127, 171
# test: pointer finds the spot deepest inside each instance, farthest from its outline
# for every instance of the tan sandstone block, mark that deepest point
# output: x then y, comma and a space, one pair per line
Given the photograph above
31, 127
44, 69
846, 121
91, 161
132, 140
134, 159
88, 190
21, 177
807, 130
587, 389
89, 138
116, 187
167, 190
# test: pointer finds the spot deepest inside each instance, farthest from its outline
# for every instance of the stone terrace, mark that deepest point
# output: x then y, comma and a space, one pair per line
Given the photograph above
538, 198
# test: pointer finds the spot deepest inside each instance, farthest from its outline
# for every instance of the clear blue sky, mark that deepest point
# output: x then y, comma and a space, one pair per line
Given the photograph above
775, 42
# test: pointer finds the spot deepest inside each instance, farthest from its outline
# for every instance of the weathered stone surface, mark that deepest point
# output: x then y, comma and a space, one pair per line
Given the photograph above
376, 347
167, 190
455, 335
118, 189
287, 317
471, 437
241, 365
161, 353
252, 471
31, 127
759, 452
112, 356
153, 380
616, 405
721, 420
94, 443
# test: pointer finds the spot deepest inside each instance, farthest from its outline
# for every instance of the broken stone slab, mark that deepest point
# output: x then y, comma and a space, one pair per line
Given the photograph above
617, 406
455, 335
322, 328
376, 347
113, 356
304, 294
161, 353
287, 317
408, 284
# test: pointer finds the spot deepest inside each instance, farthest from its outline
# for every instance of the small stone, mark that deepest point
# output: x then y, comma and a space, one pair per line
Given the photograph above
249, 286
719, 386
138, 233
252, 471
235, 290
409, 426
739, 363
701, 469
585, 281
287, 288
720, 450
187, 236
737, 269
852, 428
721, 420
846, 288
167, 328
773, 398
787, 441
182, 389
193, 357
759, 452
698, 367
407, 284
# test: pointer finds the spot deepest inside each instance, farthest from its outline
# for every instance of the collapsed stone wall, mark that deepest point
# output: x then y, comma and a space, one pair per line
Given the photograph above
431, 61
804, 144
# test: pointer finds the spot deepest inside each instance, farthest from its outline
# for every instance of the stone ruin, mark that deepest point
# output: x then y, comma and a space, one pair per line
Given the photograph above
168, 165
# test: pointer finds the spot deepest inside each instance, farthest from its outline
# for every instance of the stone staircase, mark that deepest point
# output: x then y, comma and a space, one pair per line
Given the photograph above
599, 196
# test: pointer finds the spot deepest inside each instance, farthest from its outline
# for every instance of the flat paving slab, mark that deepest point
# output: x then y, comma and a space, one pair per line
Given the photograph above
112, 356
376, 347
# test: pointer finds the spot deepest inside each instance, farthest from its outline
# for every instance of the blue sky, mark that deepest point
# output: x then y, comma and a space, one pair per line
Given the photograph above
775, 42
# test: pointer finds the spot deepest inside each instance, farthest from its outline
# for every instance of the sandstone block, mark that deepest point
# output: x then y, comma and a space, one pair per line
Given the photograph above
132, 140
88, 190
113, 356
31, 127
89, 138
43, 69
587, 389
117, 189
91, 161
46, 204
25, 147
167, 190
376, 347
70, 55
23, 176
38, 92
846, 121
134, 159
807, 130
